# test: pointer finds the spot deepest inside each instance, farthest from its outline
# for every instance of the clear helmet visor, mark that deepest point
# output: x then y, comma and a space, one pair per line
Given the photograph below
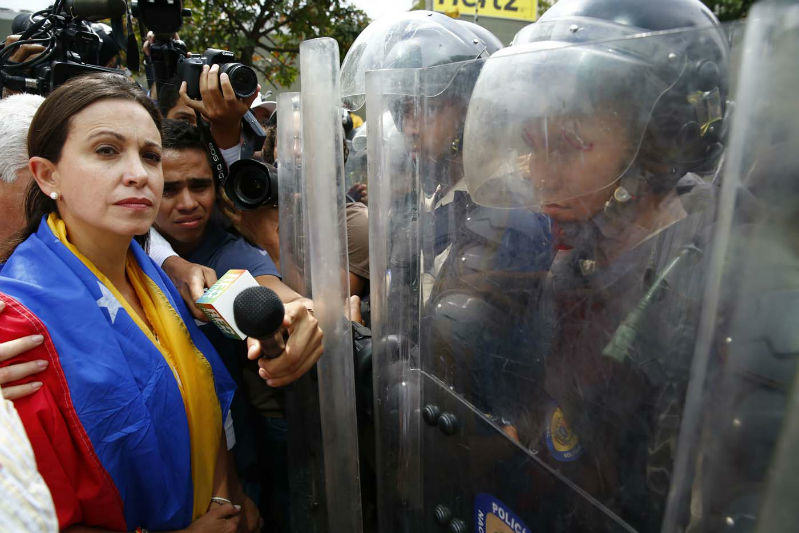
573, 30
550, 121
418, 39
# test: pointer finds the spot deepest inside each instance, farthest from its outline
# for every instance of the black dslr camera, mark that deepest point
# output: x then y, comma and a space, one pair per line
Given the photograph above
169, 57
242, 77
72, 48
250, 183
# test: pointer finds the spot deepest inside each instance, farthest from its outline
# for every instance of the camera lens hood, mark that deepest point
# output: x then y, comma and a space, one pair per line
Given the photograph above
251, 184
242, 78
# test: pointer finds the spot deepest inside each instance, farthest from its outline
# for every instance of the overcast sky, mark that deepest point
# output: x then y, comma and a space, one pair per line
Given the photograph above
374, 8
31, 5
378, 8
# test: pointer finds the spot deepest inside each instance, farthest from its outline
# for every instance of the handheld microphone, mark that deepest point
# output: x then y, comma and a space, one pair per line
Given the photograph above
259, 313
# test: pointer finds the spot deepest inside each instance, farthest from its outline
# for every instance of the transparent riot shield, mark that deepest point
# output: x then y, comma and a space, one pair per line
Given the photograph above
293, 249
737, 459
323, 176
355, 166
538, 232
305, 452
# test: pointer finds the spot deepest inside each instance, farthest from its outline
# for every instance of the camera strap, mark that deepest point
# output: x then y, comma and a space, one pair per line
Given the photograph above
254, 135
215, 159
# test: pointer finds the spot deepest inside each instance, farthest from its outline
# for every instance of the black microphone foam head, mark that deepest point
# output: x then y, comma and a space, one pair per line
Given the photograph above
20, 23
258, 312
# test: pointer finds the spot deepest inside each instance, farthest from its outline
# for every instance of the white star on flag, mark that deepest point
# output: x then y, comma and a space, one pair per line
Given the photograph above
108, 301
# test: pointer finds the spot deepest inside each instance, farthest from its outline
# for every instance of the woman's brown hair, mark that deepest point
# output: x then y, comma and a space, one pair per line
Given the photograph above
49, 130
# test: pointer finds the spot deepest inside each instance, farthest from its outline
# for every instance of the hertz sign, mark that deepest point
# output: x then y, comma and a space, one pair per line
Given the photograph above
504, 9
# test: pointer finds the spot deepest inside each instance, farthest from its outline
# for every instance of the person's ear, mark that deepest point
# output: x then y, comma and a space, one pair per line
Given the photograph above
45, 174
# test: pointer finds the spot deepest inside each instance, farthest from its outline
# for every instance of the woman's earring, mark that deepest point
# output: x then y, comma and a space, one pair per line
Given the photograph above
620, 196
54, 195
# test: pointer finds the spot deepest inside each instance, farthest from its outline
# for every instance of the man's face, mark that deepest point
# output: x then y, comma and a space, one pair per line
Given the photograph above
181, 111
188, 200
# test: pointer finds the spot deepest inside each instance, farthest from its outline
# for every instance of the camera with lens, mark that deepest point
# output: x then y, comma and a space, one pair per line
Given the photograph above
71, 46
250, 183
242, 77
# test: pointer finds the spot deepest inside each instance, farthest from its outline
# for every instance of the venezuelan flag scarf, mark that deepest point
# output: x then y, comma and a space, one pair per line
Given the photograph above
127, 426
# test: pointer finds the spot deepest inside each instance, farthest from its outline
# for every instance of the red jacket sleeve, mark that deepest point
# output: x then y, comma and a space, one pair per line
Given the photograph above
82, 490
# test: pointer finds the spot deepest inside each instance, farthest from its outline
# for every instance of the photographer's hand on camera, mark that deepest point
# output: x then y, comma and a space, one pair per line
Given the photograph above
148, 42
260, 226
303, 347
22, 53
221, 108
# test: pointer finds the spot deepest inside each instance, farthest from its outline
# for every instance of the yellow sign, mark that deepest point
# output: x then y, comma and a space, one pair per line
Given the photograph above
504, 9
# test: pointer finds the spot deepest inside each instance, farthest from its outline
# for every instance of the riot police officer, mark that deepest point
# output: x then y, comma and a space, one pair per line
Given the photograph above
615, 138
471, 257
443, 263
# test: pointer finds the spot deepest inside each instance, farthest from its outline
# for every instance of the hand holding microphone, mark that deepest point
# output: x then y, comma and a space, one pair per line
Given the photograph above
262, 316
259, 314
285, 339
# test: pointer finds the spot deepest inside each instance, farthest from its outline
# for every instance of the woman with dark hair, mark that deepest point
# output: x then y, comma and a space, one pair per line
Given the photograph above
127, 427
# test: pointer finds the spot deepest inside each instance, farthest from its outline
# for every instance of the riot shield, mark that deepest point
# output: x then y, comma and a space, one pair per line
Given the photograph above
323, 176
538, 229
355, 166
293, 249
737, 462
305, 454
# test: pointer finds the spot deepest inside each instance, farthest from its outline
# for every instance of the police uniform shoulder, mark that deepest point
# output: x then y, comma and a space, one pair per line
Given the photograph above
695, 192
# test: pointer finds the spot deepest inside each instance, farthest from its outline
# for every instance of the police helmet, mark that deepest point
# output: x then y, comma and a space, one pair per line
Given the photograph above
418, 39
594, 91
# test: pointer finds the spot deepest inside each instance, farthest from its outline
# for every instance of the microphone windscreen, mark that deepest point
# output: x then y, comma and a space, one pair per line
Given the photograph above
258, 312
96, 9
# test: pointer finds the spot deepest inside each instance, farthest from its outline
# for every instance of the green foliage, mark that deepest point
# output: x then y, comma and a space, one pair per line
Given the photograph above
729, 9
266, 34
543, 5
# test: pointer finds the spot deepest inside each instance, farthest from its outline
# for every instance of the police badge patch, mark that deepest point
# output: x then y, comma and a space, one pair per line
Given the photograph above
493, 516
562, 442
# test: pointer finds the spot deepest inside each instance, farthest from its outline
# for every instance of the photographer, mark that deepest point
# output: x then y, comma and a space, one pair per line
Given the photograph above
60, 42
172, 105
260, 226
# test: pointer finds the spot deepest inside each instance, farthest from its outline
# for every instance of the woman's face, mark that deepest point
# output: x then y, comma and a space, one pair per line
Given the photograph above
109, 175
574, 163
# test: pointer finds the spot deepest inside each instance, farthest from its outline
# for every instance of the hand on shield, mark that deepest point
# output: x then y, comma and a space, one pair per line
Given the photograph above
303, 347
